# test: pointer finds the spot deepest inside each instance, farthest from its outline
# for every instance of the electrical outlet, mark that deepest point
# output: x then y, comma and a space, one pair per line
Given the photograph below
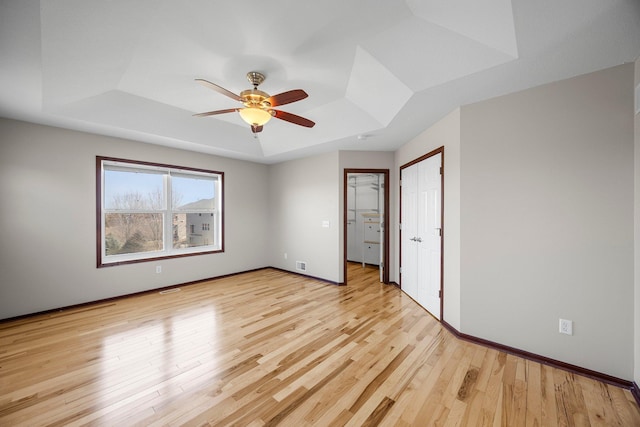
285, 255
158, 269
566, 327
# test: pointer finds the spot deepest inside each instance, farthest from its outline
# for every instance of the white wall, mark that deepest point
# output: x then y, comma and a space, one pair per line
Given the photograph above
547, 220
445, 133
48, 219
304, 193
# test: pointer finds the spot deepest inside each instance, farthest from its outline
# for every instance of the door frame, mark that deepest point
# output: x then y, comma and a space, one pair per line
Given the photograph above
432, 153
385, 220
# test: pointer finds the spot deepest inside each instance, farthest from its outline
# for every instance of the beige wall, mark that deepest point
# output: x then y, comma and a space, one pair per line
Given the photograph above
302, 194
547, 220
47, 219
445, 133
636, 216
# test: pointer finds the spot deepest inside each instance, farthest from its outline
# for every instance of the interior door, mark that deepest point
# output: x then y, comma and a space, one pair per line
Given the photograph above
421, 232
429, 233
409, 231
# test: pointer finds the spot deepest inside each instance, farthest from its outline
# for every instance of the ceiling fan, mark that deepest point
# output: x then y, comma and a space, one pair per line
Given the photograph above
258, 105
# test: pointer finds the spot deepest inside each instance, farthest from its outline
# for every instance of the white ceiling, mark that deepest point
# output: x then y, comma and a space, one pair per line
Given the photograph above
384, 70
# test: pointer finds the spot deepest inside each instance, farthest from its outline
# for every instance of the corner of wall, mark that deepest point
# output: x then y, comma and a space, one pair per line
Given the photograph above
444, 133
636, 225
303, 197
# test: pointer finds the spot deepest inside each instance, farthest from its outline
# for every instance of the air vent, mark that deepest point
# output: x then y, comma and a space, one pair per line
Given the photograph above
301, 265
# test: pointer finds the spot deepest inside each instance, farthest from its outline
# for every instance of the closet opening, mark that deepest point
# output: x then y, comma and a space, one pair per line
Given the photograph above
366, 207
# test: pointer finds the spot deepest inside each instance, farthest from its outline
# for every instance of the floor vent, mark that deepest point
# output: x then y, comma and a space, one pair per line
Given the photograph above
301, 265
169, 291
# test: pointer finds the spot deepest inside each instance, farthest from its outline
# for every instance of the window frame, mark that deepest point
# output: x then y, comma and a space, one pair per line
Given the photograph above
168, 252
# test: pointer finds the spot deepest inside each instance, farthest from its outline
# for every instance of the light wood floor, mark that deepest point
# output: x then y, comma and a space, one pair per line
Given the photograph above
267, 348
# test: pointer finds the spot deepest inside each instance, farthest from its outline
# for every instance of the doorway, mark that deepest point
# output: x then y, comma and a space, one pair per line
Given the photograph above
365, 219
421, 230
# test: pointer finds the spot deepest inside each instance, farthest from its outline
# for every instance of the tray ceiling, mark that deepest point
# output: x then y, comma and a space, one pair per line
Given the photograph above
384, 69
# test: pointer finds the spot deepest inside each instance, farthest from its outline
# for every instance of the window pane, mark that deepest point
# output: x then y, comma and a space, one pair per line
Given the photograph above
193, 229
151, 211
127, 233
133, 190
193, 193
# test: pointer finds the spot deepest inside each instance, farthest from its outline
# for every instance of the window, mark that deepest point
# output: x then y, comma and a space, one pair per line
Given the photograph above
148, 211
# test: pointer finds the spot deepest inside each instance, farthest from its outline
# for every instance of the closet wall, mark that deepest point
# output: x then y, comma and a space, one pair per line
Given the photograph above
365, 210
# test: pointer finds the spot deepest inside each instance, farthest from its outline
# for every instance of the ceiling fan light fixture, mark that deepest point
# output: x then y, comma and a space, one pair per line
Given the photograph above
258, 105
255, 116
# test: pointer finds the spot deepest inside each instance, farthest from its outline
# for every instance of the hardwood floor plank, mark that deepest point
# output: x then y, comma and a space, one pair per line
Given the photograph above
273, 348
549, 416
533, 388
379, 413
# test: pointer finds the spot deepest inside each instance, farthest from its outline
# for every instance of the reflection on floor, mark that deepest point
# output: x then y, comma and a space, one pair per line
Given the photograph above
269, 347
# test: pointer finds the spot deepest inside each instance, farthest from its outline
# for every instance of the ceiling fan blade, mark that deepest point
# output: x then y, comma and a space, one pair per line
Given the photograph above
287, 97
219, 89
283, 115
213, 113
256, 129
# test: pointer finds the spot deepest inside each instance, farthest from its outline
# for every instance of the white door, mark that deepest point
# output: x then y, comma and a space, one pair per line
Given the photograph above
429, 231
409, 246
421, 232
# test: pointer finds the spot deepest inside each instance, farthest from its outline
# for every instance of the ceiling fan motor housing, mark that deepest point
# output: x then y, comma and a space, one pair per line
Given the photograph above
255, 98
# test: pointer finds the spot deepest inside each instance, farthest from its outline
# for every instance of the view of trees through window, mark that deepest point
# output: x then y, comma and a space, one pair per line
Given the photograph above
133, 232
138, 221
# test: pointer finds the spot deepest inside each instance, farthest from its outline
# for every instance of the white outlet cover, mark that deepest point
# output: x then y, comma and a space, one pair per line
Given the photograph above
325, 224
566, 327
